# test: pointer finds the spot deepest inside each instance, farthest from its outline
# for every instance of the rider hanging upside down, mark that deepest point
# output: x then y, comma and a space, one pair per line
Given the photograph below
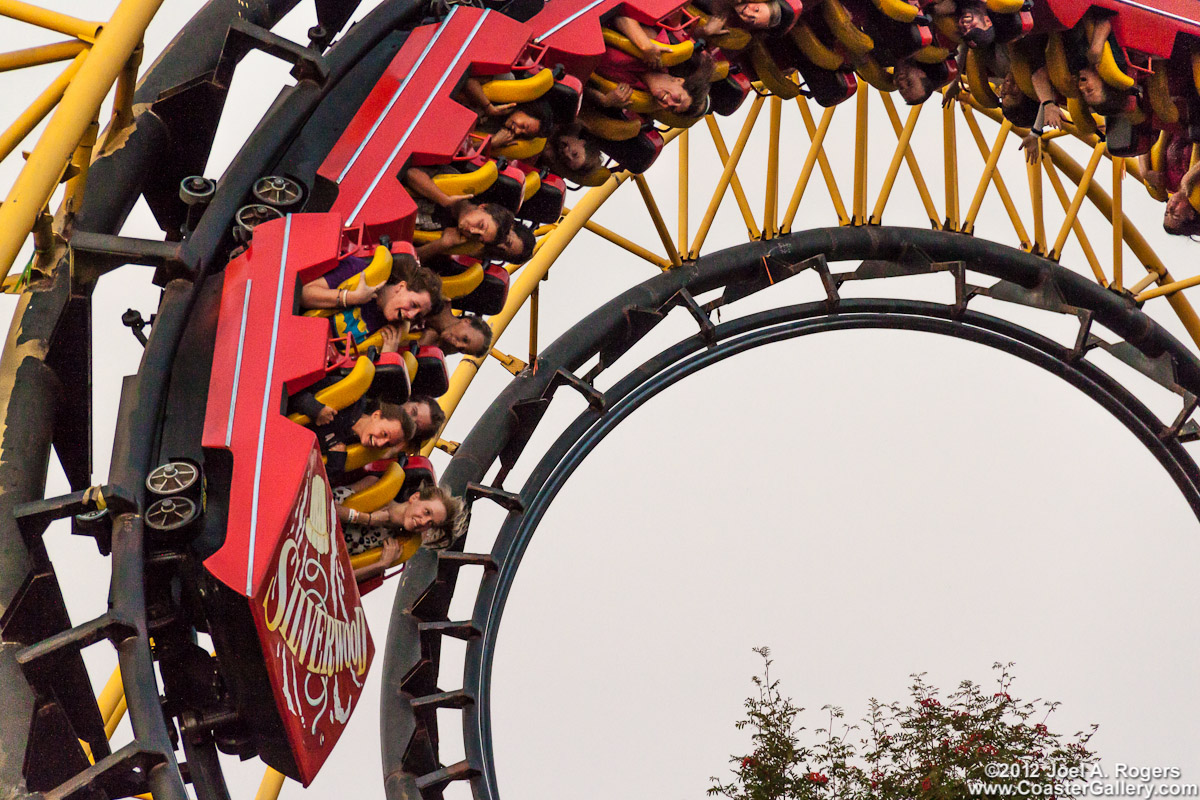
428, 418
431, 513
516, 248
468, 334
681, 90
406, 296
507, 122
1178, 178
570, 153
368, 422
460, 221
1084, 54
766, 16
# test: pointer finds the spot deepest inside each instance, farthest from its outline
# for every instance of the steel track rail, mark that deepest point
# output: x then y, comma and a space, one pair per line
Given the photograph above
418, 621
55, 317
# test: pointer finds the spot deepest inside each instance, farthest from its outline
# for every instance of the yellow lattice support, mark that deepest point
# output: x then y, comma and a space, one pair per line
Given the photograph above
902, 150
728, 178
815, 152
683, 177
114, 43
861, 115
950, 166
770, 224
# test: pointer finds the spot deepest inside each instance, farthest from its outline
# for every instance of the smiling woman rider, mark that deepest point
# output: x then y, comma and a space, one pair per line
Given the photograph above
406, 296
368, 422
432, 513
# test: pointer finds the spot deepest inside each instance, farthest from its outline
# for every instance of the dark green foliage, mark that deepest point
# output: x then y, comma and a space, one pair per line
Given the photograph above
930, 748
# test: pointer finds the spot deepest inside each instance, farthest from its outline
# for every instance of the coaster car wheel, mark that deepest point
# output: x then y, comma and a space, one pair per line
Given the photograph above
173, 478
250, 217
173, 513
278, 192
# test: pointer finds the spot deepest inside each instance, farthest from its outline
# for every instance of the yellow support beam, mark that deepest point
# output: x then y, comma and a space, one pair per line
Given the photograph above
627, 245
682, 231
859, 201
1083, 185
81, 162
1080, 234
728, 177
1118, 222
52, 20
29, 119
1001, 188
111, 722
950, 165
108, 56
815, 150
42, 54
656, 217
902, 149
913, 167
823, 160
991, 158
1138, 245
511, 363
122, 110
1033, 173
272, 783
111, 702
533, 326
732, 182
770, 224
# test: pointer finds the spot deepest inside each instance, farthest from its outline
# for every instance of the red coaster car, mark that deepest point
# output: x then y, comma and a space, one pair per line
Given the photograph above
292, 638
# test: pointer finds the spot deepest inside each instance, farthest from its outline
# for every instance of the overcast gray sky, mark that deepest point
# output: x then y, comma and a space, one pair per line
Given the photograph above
867, 504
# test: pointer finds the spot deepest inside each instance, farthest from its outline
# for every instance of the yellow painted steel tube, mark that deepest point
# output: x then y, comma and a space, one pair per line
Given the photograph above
1138, 246
859, 201
110, 699
82, 162
42, 54
950, 165
998, 179
1080, 234
989, 169
734, 184
823, 160
627, 245
1118, 222
39, 108
122, 109
1033, 173
534, 300
656, 217
272, 782
770, 224
1171, 289
913, 167
728, 176
682, 233
52, 20
1081, 192
810, 161
1145, 282
34, 186
893, 170
111, 722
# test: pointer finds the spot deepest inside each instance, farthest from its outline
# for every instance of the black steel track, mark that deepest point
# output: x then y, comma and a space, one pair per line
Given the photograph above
179, 100
503, 429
